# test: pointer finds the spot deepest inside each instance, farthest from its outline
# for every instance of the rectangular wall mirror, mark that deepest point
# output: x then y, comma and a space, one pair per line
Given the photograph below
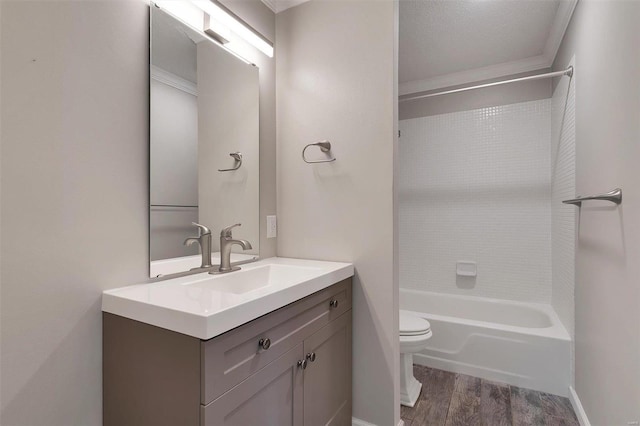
204, 145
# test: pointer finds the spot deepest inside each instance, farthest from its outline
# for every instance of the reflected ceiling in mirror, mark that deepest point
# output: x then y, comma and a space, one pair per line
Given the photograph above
203, 145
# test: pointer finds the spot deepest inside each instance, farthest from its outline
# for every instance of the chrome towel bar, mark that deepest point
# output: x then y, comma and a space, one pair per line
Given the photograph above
614, 196
325, 146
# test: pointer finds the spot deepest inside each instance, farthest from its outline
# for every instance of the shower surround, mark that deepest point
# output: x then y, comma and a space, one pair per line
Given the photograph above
476, 186
486, 186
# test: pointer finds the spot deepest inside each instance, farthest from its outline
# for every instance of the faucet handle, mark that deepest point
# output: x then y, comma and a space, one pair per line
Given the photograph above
191, 240
203, 229
226, 232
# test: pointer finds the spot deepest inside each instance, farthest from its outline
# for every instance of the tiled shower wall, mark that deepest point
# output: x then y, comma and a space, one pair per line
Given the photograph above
563, 186
476, 186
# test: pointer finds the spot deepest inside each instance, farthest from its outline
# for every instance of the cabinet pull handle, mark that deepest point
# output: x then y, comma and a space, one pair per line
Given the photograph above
333, 303
311, 356
302, 364
264, 343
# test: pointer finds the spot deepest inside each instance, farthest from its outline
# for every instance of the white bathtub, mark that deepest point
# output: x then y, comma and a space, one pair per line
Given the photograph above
522, 344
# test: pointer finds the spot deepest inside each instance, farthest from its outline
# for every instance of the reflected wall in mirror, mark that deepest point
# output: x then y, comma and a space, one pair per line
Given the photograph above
204, 145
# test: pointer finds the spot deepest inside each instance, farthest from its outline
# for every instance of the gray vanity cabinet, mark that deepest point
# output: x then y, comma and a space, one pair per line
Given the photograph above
289, 367
327, 378
273, 396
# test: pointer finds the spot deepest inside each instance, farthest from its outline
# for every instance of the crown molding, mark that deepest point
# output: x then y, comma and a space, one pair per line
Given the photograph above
173, 80
544, 60
271, 4
279, 5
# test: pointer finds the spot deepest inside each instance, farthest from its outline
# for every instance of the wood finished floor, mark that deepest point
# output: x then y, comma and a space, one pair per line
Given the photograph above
450, 399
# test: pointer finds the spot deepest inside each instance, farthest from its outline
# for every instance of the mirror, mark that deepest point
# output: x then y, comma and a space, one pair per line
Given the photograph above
203, 145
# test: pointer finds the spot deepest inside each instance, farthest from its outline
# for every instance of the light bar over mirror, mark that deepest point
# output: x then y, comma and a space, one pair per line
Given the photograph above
219, 23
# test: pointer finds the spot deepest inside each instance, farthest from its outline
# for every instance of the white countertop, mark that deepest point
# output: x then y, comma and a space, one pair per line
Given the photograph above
205, 305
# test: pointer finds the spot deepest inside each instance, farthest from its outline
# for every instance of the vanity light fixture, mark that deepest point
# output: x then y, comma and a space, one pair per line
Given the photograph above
222, 24
219, 24
215, 31
183, 10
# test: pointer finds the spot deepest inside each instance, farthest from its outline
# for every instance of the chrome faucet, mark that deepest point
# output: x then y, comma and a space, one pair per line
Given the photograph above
204, 241
226, 241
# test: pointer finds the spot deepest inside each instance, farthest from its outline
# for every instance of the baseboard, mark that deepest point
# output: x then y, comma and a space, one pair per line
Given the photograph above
358, 422
577, 407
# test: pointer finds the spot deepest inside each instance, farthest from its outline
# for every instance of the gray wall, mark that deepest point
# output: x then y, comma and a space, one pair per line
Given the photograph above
480, 98
74, 185
604, 37
336, 80
256, 14
74, 196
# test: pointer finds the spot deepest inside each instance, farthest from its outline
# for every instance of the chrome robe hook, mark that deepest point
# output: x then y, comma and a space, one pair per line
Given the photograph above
236, 156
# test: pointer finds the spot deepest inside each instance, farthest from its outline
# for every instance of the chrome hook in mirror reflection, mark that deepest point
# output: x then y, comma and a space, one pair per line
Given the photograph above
236, 156
325, 146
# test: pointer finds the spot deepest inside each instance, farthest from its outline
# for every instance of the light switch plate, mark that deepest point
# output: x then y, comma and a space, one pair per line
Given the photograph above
272, 227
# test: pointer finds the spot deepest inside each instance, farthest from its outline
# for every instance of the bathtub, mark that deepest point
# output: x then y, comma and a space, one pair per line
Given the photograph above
522, 344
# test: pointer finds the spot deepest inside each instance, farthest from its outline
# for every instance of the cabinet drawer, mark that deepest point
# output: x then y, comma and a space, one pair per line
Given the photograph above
271, 397
232, 357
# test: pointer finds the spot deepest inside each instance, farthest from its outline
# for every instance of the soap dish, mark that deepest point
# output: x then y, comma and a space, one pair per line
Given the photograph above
466, 268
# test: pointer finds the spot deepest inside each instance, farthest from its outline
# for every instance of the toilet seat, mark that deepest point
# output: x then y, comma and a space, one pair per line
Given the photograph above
412, 325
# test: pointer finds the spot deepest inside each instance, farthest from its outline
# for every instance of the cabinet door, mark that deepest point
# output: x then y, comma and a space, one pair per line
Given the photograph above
327, 379
231, 358
270, 397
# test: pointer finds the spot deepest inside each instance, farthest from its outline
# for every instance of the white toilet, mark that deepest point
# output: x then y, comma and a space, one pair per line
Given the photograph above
414, 333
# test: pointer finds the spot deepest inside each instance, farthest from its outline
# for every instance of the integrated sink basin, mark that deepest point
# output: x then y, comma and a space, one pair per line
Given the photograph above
205, 305
262, 278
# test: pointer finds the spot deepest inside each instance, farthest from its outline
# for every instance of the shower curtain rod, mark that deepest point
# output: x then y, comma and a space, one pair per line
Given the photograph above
568, 71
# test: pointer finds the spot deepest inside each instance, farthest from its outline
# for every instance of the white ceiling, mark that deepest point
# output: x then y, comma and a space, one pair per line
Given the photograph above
446, 43
450, 42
